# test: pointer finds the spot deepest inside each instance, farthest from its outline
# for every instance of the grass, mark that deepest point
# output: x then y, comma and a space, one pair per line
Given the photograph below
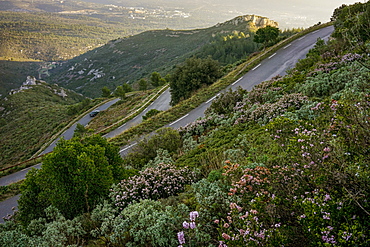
9, 190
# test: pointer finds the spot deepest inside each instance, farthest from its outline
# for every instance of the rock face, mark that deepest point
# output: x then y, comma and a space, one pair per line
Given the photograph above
30, 81
253, 20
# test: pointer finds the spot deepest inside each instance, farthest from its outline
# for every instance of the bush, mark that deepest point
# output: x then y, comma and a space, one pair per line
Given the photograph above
146, 150
146, 223
153, 183
73, 178
151, 113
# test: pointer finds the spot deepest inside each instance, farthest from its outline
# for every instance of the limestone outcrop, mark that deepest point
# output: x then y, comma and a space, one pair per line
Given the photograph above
252, 20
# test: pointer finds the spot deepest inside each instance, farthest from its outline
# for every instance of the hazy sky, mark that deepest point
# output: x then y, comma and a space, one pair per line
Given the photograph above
286, 12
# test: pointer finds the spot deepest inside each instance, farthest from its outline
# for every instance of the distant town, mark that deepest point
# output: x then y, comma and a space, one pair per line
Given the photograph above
135, 12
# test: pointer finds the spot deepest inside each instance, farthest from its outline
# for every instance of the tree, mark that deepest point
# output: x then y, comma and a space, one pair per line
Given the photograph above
73, 178
126, 87
143, 84
192, 75
105, 92
157, 79
352, 25
120, 92
32, 202
80, 130
266, 35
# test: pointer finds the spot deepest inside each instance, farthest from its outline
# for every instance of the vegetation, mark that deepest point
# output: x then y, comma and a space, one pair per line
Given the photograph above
151, 113
35, 40
157, 80
105, 92
31, 118
73, 178
267, 35
121, 110
284, 164
192, 75
9, 190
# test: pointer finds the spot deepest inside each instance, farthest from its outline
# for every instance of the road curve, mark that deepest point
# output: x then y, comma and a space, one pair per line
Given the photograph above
68, 134
162, 103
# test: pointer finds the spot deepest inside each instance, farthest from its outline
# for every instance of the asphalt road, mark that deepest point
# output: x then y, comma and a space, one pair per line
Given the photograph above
162, 103
276, 64
68, 134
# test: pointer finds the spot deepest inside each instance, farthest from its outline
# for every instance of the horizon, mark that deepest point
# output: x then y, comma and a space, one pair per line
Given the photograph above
287, 13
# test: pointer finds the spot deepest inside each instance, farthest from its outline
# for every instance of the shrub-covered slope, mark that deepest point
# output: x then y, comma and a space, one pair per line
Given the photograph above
30, 117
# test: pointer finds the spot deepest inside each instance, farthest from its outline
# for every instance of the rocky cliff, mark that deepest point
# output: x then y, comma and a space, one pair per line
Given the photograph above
252, 20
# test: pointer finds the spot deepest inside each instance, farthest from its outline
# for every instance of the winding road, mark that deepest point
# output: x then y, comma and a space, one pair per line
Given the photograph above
277, 64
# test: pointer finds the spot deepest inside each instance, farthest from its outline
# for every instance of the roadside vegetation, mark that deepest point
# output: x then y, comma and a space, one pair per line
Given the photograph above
283, 164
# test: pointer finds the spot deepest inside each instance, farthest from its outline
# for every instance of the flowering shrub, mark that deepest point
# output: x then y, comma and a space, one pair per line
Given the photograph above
54, 230
187, 226
326, 222
316, 194
264, 92
350, 76
153, 183
267, 112
225, 102
250, 220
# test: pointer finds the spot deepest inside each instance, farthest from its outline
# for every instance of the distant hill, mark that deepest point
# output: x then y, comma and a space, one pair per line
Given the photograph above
30, 116
36, 31
129, 59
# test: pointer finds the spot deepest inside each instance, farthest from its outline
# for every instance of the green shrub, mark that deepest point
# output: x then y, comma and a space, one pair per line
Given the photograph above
146, 150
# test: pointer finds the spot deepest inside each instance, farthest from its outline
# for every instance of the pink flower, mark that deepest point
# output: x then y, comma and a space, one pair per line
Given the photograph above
225, 236
193, 215
327, 197
185, 225
181, 237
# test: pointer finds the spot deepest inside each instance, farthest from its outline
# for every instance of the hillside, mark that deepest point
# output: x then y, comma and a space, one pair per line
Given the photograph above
129, 59
30, 116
